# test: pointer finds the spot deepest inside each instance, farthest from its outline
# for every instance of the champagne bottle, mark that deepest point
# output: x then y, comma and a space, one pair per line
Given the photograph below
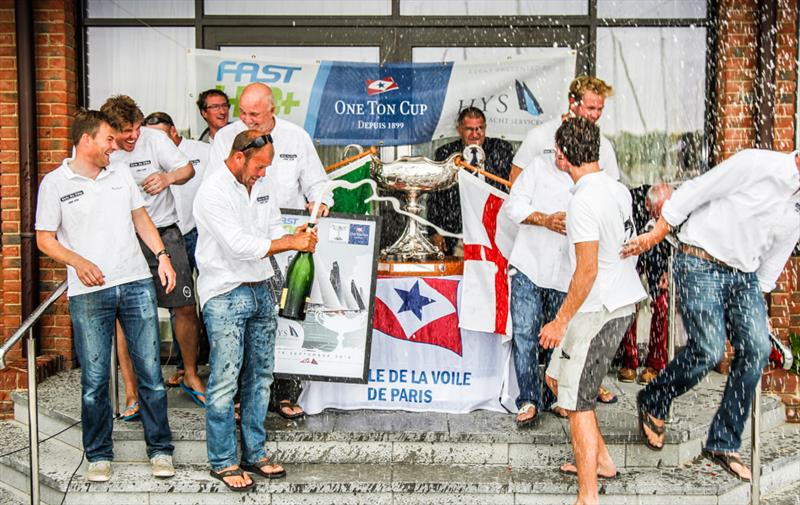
297, 288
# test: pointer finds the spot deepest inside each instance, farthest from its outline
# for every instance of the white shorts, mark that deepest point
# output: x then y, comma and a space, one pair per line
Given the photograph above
584, 356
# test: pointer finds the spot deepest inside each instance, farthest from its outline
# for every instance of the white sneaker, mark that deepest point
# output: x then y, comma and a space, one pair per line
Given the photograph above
99, 471
162, 466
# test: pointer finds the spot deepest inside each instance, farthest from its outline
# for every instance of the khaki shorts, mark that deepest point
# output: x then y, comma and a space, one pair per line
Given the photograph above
584, 356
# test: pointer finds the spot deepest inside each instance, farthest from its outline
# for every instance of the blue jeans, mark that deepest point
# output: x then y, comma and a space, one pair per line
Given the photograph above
93, 322
531, 308
716, 303
241, 328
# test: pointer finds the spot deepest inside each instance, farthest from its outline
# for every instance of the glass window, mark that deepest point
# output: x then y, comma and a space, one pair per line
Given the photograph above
148, 64
140, 9
651, 9
299, 7
309, 53
493, 8
655, 118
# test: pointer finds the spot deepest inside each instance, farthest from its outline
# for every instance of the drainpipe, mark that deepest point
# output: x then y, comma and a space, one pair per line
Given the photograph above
767, 29
28, 156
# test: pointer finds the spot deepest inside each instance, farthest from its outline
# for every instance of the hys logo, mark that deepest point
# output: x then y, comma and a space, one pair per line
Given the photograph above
381, 86
527, 101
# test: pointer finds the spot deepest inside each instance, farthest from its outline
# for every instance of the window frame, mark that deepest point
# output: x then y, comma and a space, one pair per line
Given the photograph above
397, 35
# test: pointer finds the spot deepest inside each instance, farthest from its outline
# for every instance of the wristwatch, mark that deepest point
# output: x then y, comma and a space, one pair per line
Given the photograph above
163, 252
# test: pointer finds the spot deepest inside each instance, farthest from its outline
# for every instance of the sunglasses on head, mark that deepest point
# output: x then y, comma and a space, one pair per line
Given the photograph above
154, 120
258, 142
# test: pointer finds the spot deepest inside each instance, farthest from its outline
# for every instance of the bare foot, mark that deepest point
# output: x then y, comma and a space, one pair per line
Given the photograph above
194, 382
654, 438
526, 415
604, 471
243, 480
175, 379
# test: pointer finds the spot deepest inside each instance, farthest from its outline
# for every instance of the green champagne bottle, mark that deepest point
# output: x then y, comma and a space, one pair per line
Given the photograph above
297, 288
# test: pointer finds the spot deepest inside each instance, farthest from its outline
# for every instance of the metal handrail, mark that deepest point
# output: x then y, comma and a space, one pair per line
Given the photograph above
37, 313
33, 414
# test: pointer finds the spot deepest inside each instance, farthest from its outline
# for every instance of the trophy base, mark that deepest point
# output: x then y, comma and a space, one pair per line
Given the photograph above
449, 265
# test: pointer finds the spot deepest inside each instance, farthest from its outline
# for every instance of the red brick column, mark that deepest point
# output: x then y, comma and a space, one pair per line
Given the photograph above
56, 95
736, 131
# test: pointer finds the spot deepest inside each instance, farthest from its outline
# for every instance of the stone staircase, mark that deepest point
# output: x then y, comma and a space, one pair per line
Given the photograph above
379, 457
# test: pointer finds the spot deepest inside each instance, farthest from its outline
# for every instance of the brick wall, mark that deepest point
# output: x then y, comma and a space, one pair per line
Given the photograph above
736, 131
56, 95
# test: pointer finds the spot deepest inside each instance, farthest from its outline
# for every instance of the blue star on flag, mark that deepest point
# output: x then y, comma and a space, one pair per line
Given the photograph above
413, 300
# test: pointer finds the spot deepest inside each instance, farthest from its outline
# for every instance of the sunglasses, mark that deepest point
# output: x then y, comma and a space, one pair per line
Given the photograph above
154, 120
218, 106
258, 142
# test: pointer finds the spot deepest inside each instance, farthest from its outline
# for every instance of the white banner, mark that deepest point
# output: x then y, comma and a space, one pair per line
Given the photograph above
417, 373
396, 103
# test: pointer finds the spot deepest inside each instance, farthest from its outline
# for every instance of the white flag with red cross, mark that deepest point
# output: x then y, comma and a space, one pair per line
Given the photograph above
488, 239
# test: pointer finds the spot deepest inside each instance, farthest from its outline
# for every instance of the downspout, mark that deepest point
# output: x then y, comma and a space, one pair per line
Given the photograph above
767, 34
28, 156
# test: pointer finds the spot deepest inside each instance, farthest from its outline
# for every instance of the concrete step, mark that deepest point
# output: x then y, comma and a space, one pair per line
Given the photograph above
698, 482
396, 437
10, 496
789, 495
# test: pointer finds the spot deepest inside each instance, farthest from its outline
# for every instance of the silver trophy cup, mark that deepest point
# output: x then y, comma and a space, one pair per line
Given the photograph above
414, 175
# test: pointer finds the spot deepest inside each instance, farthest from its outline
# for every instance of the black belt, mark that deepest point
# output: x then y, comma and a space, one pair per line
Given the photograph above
253, 284
165, 228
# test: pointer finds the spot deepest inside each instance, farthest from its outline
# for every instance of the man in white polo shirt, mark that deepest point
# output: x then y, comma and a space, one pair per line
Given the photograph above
239, 226
298, 173
739, 222
184, 194
88, 216
587, 97
538, 201
600, 301
156, 164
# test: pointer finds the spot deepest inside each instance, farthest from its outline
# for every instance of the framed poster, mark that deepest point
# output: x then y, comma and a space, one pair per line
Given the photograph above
334, 342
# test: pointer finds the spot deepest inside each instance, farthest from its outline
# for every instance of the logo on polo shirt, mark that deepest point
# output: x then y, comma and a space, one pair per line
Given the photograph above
195, 162
288, 157
139, 163
564, 355
262, 199
72, 197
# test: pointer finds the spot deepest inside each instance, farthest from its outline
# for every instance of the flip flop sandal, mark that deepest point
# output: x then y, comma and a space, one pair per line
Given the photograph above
284, 404
525, 410
724, 460
194, 395
258, 468
605, 393
131, 412
235, 472
599, 475
646, 420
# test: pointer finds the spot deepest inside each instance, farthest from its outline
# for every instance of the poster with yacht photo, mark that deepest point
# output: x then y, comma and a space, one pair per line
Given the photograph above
334, 342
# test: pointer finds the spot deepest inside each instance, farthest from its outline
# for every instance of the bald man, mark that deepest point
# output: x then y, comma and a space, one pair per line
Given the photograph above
299, 177
653, 264
296, 169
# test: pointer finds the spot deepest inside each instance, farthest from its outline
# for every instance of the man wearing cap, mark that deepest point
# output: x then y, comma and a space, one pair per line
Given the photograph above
184, 194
